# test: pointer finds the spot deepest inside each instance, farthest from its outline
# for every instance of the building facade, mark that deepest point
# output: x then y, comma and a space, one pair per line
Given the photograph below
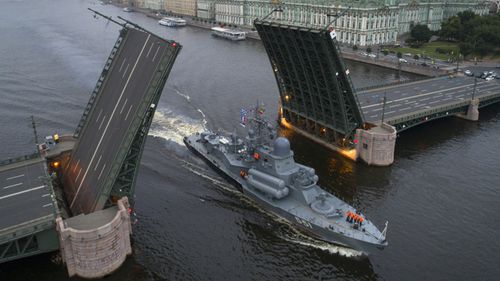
205, 9
366, 22
181, 7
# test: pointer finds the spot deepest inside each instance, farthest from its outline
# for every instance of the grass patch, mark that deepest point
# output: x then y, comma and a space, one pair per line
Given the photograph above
429, 49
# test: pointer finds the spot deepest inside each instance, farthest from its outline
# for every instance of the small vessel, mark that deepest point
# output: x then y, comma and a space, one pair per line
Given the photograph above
262, 167
230, 34
170, 21
127, 9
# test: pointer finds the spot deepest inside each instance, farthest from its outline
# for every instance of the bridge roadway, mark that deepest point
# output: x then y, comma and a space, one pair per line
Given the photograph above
24, 194
113, 112
405, 99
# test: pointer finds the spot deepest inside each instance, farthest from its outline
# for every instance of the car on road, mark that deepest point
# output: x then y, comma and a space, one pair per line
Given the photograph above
403, 61
364, 54
489, 78
372, 55
468, 72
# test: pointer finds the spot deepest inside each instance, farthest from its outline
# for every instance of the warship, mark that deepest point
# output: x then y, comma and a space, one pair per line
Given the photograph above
262, 167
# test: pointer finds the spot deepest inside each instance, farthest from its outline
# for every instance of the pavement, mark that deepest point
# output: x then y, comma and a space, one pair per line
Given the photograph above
113, 112
24, 195
406, 98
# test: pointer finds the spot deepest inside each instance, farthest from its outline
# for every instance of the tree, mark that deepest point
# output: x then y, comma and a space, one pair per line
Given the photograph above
416, 57
368, 50
421, 33
355, 48
466, 48
385, 52
399, 55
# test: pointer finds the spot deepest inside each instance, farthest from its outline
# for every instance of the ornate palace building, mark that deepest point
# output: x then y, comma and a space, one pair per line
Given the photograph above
366, 22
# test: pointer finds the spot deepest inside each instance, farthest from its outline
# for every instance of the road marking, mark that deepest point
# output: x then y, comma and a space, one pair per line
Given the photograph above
98, 116
47, 205
436, 101
378, 109
402, 109
123, 62
102, 121
45, 195
21, 192
421, 95
13, 185
109, 121
77, 176
425, 99
152, 44
102, 170
128, 112
15, 177
373, 116
123, 106
76, 166
156, 53
389, 112
98, 161
125, 72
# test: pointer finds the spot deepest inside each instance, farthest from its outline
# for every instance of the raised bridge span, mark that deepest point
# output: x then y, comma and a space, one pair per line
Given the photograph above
74, 193
319, 100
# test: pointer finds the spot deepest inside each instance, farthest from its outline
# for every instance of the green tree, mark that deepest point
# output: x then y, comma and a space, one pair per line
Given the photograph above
416, 57
399, 55
355, 48
368, 50
421, 33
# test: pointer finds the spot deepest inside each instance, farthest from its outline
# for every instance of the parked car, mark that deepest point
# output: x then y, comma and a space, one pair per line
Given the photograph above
403, 61
372, 55
489, 78
468, 72
364, 54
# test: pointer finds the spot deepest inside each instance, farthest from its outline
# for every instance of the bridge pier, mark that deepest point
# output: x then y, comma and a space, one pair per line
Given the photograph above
472, 113
96, 244
376, 145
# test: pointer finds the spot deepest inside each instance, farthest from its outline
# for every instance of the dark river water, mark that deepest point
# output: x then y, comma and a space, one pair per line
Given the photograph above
441, 196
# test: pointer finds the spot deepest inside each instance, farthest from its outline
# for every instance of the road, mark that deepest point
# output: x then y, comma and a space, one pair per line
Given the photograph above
24, 195
113, 112
404, 99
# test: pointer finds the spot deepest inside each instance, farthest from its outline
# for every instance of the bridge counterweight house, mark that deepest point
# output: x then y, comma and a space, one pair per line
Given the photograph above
81, 187
318, 100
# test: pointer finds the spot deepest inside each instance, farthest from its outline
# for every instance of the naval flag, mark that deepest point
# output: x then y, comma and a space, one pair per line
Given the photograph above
243, 117
333, 34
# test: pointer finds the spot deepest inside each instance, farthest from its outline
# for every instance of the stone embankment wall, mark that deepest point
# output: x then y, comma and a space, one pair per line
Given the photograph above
96, 252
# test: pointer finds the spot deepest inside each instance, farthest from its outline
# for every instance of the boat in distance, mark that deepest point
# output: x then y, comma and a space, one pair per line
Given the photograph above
230, 34
170, 21
262, 167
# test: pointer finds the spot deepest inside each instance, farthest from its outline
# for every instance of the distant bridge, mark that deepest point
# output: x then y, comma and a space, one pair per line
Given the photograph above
97, 166
318, 98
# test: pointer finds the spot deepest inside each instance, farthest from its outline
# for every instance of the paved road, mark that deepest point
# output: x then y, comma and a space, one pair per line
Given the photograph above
426, 94
114, 110
23, 194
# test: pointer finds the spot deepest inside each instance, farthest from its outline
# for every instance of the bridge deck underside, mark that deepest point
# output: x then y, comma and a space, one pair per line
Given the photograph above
24, 193
312, 79
126, 98
418, 102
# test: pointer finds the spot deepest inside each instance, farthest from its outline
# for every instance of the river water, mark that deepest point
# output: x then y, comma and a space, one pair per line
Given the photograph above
441, 196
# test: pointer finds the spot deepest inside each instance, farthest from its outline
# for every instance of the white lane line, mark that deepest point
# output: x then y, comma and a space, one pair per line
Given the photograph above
21, 192
395, 105
98, 161
436, 101
102, 121
102, 170
378, 109
125, 72
403, 109
76, 166
421, 95
123, 62
389, 112
156, 53
15, 177
109, 121
128, 112
123, 106
45, 195
447, 99
152, 44
98, 116
12, 185
77, 176
373, 116
425, 99
47, 205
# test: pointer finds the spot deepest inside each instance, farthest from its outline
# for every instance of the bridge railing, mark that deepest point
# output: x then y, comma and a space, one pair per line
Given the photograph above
19, 159
378, 86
